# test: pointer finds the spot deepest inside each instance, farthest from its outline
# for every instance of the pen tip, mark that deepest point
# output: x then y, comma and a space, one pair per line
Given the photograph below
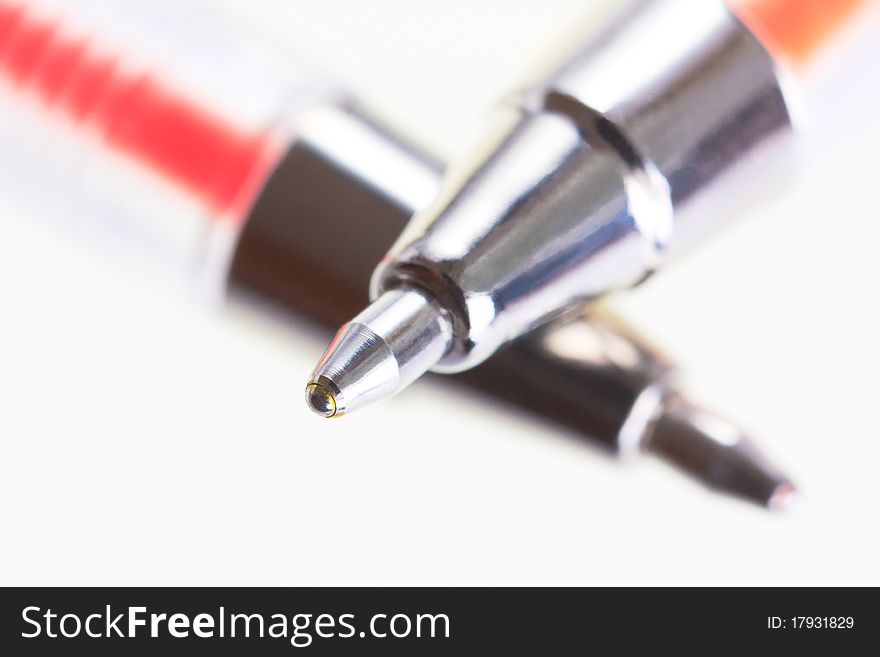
720, 455
320, 400
392, 342
785, 499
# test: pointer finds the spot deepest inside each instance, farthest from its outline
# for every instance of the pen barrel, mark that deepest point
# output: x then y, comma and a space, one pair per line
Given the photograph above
701, 114
145, 127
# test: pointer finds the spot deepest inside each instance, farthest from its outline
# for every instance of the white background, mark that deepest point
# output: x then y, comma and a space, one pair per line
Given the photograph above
143, 441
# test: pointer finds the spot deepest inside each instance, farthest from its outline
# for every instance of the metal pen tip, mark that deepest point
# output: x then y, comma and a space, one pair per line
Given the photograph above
720, 455
390, 344
320, 400
785, 499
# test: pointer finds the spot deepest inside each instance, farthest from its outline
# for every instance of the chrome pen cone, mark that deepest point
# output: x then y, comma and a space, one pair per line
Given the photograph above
394, 341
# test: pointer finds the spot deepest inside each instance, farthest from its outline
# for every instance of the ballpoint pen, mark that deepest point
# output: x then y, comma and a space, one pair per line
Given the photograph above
266, 181
585, 182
